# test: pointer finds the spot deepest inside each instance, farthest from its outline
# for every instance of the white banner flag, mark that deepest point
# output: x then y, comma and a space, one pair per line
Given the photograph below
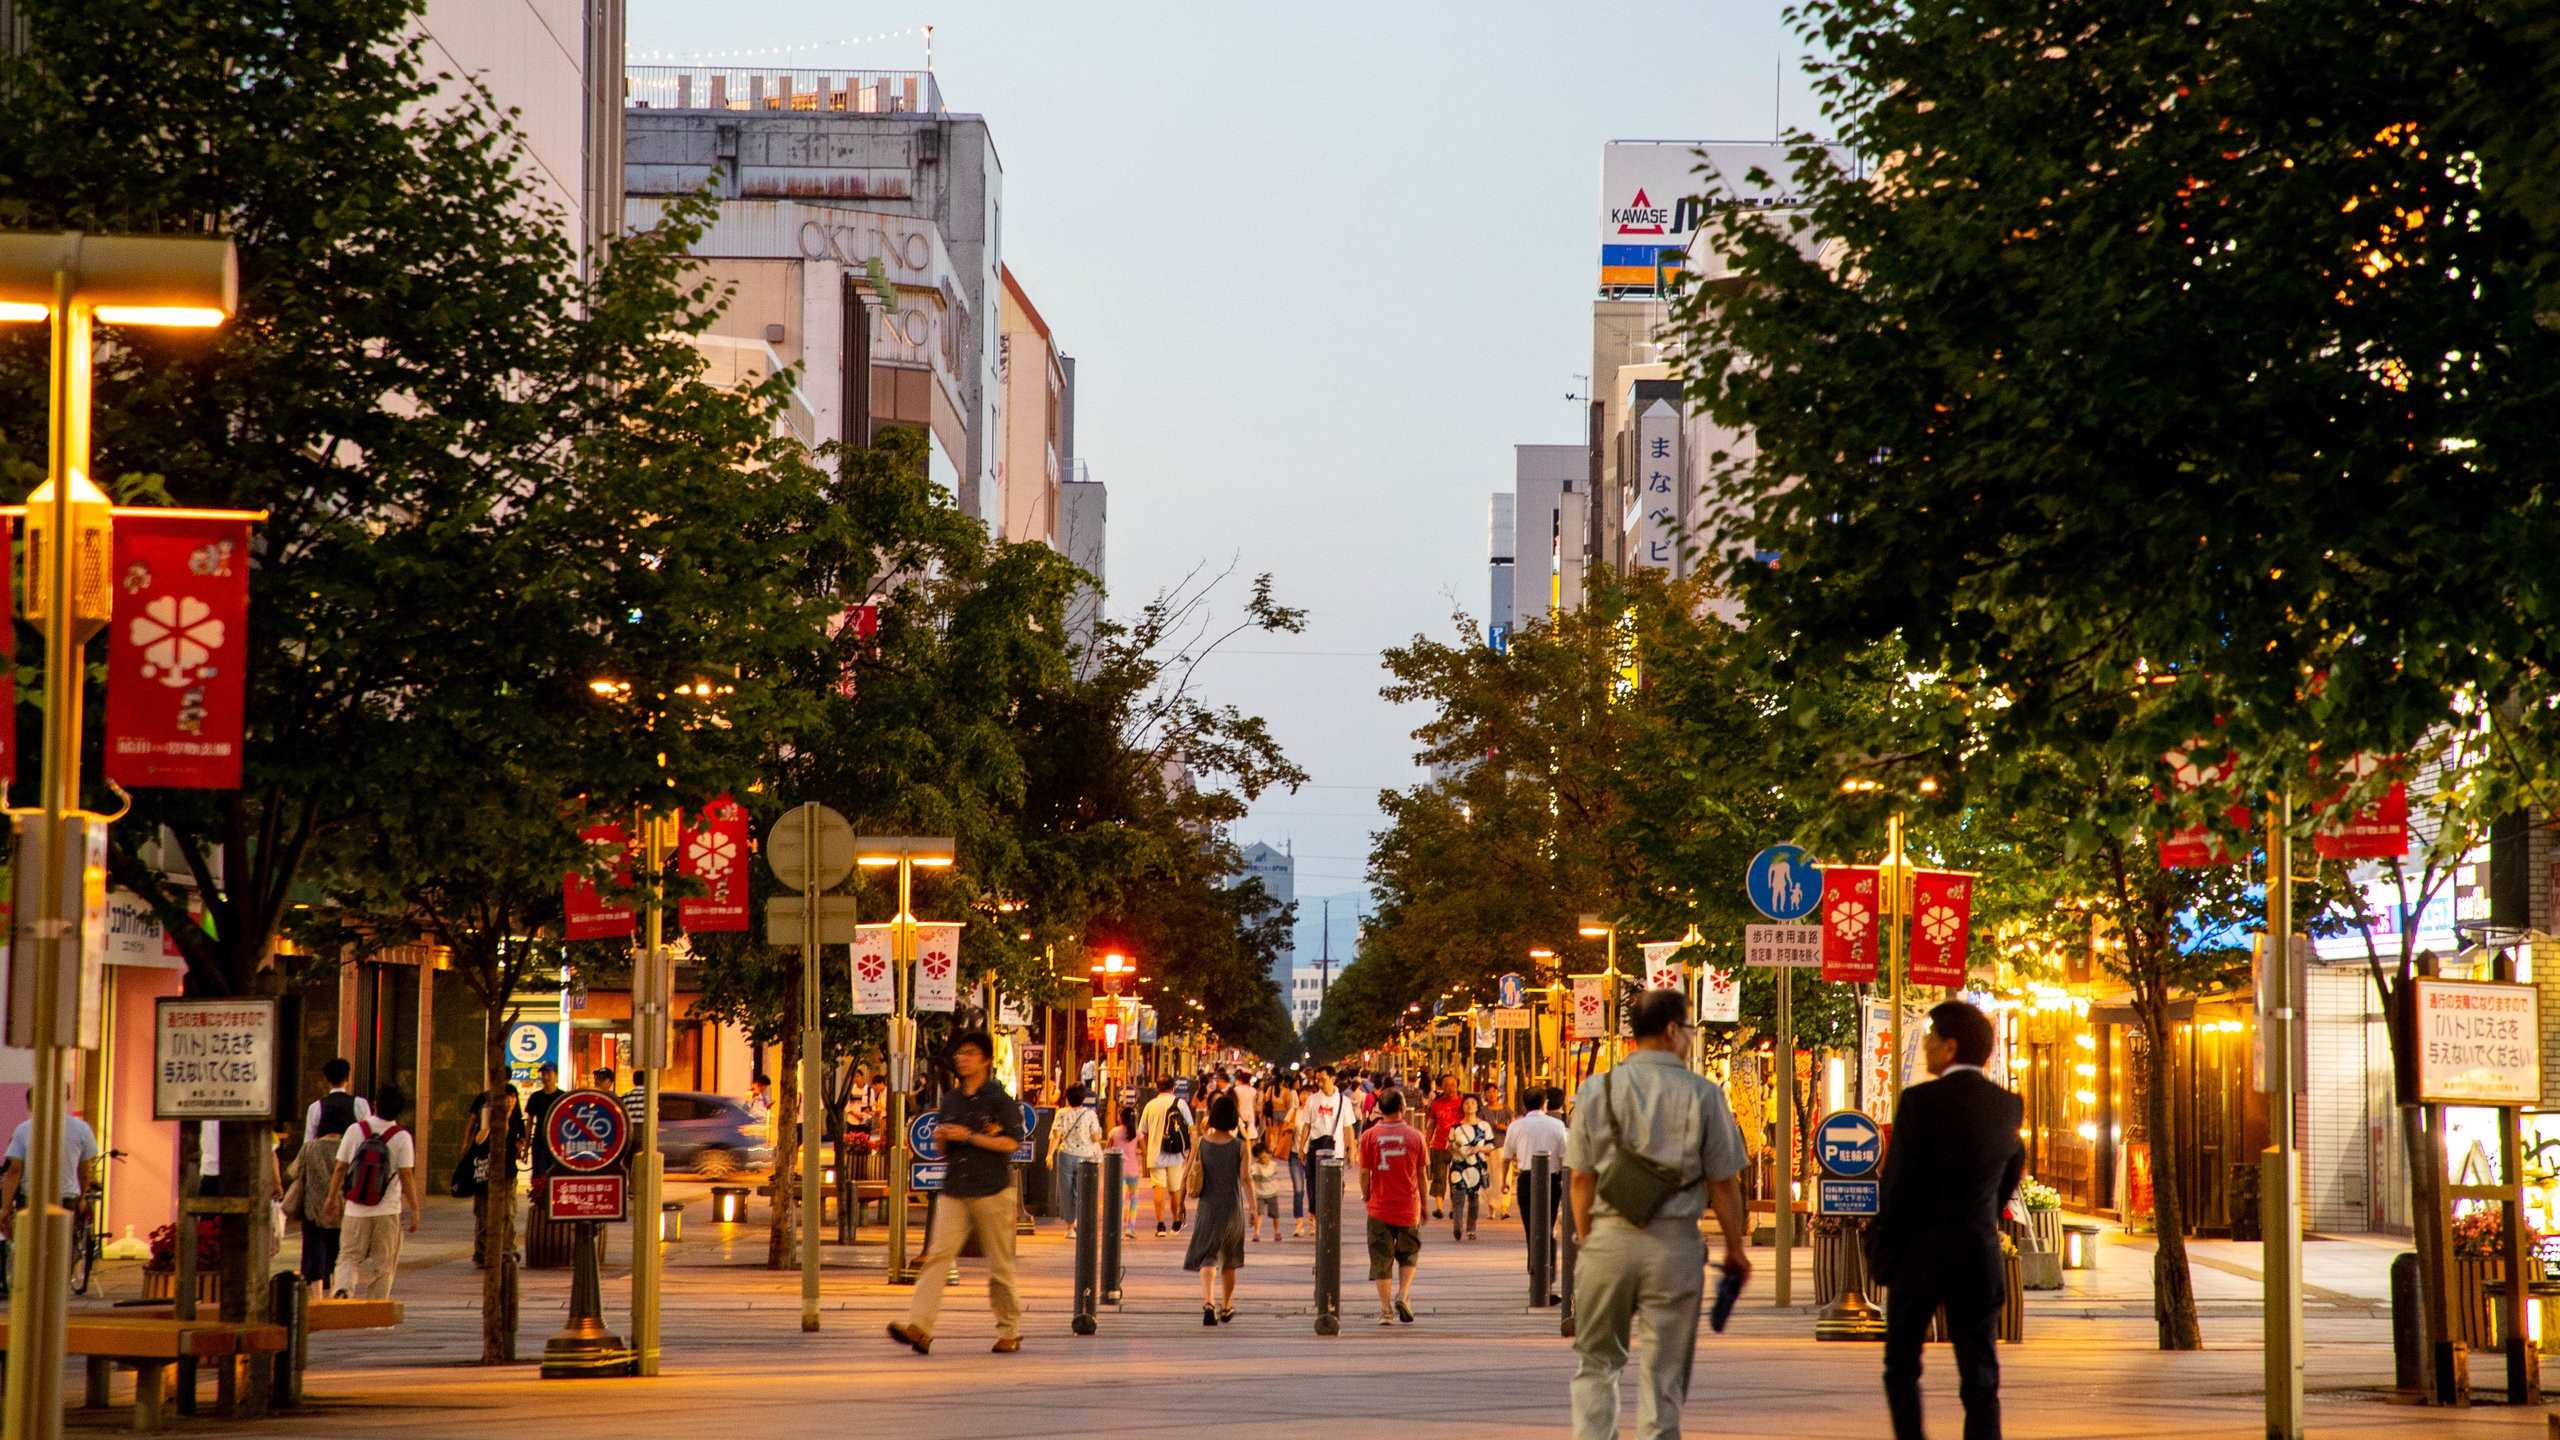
1660, 973
1720, 995
874, 990
937, 967
1590, 1007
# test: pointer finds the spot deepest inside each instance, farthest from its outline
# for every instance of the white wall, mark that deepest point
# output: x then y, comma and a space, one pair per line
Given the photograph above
527, 53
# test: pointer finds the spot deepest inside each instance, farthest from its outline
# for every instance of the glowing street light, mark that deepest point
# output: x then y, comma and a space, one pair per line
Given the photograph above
73, 281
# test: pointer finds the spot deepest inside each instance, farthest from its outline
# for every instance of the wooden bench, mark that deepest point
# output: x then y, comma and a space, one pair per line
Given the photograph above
322, 1314
150, 1344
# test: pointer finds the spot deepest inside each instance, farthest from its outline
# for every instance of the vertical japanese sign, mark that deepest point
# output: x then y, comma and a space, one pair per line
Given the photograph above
937, 967
875, 992
714, 851
586, 915
1657, 477
1941, 923
1590, 1007
1850, 912
1875, 1048
177, 687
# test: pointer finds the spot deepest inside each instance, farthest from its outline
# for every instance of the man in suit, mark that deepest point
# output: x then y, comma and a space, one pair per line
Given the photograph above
1952, 1164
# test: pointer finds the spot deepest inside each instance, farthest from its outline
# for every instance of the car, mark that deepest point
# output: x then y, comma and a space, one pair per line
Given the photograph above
712, 1135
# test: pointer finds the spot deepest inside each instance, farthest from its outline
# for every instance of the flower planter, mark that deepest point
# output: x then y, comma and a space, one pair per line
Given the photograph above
163, 1285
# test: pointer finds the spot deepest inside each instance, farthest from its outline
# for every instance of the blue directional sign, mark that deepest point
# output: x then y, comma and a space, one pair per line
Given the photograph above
921, 1176
1835, 1196
1848, 1144
1515, 992
1783, 882
1027, 1153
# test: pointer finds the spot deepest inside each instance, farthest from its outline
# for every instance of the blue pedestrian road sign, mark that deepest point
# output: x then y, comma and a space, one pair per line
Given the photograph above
1848, 1144
1515, 991
1783, 883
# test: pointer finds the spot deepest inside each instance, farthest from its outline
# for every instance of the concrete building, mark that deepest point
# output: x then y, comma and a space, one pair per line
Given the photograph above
1032, 463
1084, 516
1278, 872
1551, 529
890, 189
1501, 535
538, 58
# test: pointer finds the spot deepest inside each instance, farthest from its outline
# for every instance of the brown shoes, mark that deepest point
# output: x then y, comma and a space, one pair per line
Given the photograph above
912, 1338
1008, 1345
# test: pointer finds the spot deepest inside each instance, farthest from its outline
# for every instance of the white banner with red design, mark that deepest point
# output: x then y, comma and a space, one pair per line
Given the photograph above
1661, 972
937, 967
875, 988
2190, 770
1719, 995
1851, 911
586, 914
1590, 1007
177, 686
1941, 923
713, 850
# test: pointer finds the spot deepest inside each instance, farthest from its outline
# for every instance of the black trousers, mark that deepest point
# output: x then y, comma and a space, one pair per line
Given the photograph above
1908, 1311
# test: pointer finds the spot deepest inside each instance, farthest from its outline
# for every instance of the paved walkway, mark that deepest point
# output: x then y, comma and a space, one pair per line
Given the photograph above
1477, 1365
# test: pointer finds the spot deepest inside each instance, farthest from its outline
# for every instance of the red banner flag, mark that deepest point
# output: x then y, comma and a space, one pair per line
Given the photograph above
177, 683
2198, 845
2377, 831
1851, 920
1941, 923
715, 853
587, 915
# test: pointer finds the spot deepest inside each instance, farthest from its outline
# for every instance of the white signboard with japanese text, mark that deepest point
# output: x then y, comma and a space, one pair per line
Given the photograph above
1782, 947
214, 1060
2479, 1042
1656, 518
1720, 995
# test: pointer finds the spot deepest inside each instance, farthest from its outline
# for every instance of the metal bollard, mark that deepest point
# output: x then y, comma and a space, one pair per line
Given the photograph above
1565, 1237
1112, 1201
1088, 1219
289, 1298
1537, 1217
1327, 1185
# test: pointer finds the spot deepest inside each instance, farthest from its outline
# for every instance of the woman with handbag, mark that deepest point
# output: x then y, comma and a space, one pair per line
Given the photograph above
1218, 1178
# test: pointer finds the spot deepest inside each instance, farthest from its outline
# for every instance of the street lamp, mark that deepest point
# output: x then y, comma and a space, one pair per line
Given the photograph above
73, 281
1592, 927
906, 852
1113, 970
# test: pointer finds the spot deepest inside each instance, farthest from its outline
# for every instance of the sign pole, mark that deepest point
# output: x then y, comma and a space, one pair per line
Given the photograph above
902, 1064
1897, 868
651, 1028
1783, 1213
2279, 1204
813, 1201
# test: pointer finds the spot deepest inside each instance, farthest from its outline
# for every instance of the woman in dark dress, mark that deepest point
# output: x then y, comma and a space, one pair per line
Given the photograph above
1218, 1175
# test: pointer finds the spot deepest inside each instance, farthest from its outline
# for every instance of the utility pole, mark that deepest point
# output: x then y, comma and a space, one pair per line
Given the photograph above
2280, 1199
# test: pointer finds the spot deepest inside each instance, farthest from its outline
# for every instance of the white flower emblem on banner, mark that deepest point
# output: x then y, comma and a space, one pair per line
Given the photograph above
1850, 919
937, 967
713, 853
1940, 924
177, 635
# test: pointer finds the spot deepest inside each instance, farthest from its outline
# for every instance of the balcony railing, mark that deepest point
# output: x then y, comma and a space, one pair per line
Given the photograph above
714, 87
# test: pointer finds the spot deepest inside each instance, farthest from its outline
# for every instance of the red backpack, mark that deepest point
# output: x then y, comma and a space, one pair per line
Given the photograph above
369, 1174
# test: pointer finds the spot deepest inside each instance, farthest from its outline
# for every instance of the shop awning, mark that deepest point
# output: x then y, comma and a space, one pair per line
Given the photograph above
2118, 1010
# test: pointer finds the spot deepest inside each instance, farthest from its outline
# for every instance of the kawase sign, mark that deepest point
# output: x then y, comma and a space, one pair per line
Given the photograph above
2478, 1042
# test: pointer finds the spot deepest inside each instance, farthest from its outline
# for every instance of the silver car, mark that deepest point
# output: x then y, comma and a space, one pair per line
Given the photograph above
712, 1135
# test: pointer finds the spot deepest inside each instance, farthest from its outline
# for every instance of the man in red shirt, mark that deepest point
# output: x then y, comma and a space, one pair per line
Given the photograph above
1393, 1161
1447, 1109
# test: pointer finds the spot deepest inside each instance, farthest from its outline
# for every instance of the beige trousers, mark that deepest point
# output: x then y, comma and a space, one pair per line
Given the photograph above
990, 1217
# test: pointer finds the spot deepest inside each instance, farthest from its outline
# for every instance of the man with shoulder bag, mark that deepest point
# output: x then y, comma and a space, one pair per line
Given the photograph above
1651, 1146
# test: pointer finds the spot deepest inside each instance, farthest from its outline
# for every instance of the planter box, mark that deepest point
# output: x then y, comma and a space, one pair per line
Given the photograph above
2039, 1270
163, 1285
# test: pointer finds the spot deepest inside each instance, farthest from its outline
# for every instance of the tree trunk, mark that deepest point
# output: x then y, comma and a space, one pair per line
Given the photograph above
498, 1218
783, 1253
2173, 1291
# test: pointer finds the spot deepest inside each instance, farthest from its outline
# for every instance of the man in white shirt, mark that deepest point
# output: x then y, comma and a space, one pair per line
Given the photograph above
340, 1075
79, 1163
1164, 1169
370, 1231
1328, 1121
1537, 1132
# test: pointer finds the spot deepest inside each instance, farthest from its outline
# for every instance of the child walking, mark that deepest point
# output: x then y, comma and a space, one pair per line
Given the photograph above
1266, 1191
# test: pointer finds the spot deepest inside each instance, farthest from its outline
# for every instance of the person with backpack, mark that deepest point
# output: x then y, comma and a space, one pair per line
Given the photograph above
1165, 1136
375, 1197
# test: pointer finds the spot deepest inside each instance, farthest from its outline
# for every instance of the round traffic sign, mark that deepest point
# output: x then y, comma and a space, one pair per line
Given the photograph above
1783, 882
788, 851
529, 1043
1515, 991
920, 1136
587, 1130
1848, 1144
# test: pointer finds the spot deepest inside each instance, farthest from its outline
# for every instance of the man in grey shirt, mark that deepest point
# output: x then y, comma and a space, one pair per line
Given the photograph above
1653, 1104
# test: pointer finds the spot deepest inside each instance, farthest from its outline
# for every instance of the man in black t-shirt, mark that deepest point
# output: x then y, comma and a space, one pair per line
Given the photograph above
979, 1127
537, 1110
